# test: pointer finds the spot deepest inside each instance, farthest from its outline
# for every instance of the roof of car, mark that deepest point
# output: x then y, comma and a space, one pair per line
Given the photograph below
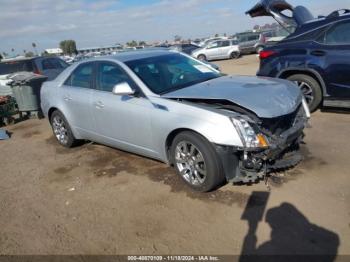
141, 54
132, 55
21, 58
316, 24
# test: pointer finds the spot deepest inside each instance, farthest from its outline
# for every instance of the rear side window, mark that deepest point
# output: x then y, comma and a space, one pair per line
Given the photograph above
82, 76
338, 34
224, 43
53, 63
16, 66
253, 37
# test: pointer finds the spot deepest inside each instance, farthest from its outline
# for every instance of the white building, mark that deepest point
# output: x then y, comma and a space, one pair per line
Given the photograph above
54, 51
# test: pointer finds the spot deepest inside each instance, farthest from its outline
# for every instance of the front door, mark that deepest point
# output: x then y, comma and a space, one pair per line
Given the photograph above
336, 50
121, 121
224, 48
212, 51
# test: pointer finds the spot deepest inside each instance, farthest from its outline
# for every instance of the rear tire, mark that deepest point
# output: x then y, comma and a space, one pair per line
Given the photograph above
196, 162
310, 88
62, 130
202, 58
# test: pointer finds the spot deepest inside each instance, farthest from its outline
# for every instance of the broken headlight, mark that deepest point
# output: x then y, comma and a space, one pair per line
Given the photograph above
250, 138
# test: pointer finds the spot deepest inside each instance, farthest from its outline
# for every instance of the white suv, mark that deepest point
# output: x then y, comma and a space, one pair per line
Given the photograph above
221, 49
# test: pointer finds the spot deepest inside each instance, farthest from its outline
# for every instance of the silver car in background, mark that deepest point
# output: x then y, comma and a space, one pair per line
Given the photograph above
168, 106
222, 49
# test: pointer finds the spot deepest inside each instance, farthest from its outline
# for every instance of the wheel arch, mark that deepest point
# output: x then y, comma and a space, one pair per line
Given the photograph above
171, 136
284, 74
201, 54
51, 110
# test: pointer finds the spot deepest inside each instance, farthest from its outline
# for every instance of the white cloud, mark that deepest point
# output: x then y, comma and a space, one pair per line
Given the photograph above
46, 22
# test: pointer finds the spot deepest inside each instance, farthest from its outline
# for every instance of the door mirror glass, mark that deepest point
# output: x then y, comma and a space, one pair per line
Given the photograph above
123, 89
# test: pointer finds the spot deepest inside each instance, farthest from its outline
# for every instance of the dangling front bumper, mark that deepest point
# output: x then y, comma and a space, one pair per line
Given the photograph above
249, 166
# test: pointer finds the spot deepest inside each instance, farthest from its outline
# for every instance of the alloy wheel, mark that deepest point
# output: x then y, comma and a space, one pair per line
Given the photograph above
60, 129
190, 163
306, 89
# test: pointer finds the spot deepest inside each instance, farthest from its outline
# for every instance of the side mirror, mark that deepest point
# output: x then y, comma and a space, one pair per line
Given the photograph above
123, 89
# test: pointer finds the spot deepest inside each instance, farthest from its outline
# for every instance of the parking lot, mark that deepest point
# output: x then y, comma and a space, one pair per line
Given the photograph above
97, 200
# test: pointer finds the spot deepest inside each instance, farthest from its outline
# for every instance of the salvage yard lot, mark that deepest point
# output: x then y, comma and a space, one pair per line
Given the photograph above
97, 200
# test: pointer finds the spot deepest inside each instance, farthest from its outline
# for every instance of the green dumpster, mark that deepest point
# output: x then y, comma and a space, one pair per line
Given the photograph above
26, 90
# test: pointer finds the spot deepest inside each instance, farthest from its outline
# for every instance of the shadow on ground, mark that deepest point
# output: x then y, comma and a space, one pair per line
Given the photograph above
293, 236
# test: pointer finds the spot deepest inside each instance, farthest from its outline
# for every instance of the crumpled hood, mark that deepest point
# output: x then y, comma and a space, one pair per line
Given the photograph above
266, 97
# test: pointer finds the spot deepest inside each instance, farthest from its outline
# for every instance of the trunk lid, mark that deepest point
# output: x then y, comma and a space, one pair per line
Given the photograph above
278, 9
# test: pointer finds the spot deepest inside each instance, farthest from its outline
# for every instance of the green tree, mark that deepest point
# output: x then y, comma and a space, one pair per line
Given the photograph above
216, 35
68, 47
34, 46
45, 53
177, 38
133, 43
29, 54
142, 43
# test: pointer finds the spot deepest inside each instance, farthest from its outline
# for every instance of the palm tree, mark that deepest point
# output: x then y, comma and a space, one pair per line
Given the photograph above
34, 46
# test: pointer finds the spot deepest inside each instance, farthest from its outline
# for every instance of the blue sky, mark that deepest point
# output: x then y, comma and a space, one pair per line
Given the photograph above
104, 22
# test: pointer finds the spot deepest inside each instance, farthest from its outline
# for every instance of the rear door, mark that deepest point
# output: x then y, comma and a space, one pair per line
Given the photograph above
76, 95
244, 44
121, 121
336, 53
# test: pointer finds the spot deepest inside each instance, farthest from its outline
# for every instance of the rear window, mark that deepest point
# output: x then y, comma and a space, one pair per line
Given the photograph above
15, 66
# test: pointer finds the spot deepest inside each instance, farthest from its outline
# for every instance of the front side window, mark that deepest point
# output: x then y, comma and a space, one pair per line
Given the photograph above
339, 34
213, 45
82, 76
166, 73
109, 75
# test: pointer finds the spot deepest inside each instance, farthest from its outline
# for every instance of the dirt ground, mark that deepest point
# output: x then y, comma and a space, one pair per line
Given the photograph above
97, 200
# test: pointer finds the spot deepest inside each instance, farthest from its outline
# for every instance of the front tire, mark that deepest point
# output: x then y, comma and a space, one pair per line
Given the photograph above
197, 162
62, 130
202, 58
310, 88
234, 55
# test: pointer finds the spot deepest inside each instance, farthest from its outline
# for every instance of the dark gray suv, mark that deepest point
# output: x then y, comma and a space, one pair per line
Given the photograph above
47, 66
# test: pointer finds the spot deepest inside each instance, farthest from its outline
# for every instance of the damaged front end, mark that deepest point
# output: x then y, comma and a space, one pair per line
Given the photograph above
270, 144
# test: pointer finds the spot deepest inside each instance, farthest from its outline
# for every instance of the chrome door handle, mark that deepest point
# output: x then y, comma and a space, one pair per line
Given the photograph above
67, 98
99, 105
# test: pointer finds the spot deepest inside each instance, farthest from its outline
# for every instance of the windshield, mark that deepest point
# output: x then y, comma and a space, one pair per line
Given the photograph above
166, 73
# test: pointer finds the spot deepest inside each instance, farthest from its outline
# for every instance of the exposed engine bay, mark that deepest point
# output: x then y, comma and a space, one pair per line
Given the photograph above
284, 134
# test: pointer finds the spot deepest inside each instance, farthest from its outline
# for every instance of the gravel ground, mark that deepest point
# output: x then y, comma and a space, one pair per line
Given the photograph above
97, 200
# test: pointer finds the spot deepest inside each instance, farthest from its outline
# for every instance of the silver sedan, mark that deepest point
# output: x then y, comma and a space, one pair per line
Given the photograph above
168, 106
